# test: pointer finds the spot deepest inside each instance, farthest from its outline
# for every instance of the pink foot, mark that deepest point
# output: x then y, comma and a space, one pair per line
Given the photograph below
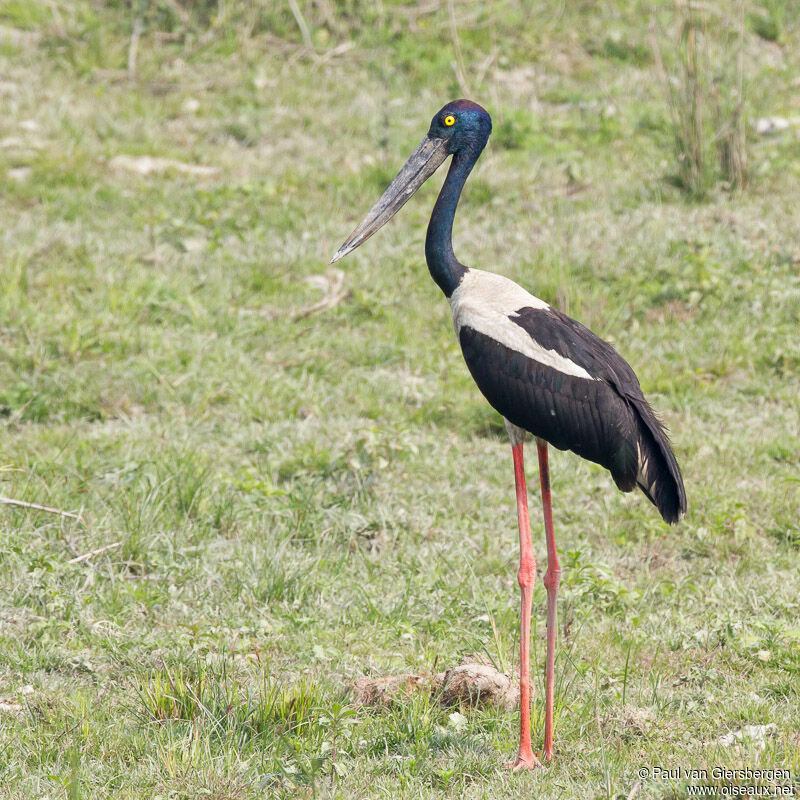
528, 761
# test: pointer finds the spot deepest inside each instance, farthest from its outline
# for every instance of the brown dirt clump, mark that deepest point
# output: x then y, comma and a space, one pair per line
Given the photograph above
472, 683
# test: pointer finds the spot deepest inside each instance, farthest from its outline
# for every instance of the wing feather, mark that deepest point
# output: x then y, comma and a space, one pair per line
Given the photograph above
603, 417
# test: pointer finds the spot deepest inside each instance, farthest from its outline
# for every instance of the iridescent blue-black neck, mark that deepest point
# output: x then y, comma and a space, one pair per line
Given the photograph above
444, 267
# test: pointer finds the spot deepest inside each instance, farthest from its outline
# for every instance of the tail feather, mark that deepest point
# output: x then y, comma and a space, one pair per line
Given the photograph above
659, 475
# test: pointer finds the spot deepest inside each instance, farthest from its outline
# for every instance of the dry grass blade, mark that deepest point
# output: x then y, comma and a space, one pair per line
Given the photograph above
36, 507
733, 149
461, 74
332, 284
305, 32
133, 44
93, 553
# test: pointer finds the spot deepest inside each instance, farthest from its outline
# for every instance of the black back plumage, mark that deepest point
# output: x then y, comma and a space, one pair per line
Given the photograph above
605, 420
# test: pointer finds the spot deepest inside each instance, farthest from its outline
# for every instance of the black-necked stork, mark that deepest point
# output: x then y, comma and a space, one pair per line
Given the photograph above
545, 373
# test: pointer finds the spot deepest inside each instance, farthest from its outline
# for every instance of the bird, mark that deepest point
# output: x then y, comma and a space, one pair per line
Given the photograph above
548, 375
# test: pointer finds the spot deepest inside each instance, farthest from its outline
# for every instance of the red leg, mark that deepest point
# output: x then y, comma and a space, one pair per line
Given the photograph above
525, 577
552, 579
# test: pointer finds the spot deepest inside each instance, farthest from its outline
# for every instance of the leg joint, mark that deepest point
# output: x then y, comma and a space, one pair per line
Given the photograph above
552, 578
527, 573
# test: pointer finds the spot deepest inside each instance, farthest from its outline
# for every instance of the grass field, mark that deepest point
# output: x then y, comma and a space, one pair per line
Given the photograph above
292, 496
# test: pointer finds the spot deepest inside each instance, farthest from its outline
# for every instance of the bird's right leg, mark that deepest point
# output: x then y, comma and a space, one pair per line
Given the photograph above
526, 577
552, 579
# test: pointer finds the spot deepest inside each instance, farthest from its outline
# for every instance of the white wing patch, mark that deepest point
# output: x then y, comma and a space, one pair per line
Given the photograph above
485, 302
641, 477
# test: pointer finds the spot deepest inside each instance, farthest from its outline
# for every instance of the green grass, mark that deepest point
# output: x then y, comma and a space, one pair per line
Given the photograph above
295, 501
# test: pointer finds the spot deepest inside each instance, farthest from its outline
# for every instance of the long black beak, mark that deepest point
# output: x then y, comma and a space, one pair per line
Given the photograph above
424, 161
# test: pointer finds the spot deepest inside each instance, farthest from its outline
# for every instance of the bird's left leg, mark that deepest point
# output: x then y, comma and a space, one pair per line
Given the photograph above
525, 577
552, 579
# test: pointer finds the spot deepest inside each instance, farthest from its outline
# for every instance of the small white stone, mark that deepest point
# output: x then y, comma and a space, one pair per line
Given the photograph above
191, 105
766, 126
755, 735
194, 244
456, 720
146, 165
19, 174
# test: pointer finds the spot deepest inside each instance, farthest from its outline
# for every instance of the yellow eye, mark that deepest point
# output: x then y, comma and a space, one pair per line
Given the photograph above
449, 120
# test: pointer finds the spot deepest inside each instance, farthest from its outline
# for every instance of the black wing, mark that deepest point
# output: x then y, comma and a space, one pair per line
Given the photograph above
606, 420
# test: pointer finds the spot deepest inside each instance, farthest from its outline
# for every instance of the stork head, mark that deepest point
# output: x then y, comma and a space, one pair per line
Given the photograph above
464, 125
460, 127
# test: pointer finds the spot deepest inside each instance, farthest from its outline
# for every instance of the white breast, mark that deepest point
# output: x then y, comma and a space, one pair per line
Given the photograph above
486, 302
